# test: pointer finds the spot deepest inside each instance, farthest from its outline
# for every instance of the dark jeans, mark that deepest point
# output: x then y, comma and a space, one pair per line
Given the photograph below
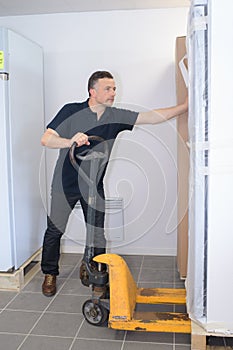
61, 208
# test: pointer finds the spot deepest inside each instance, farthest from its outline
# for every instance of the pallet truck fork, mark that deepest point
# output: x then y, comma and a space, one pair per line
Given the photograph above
124, 296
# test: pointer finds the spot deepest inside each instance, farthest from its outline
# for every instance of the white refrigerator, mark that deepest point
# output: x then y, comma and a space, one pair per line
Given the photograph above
22, 177
210, 256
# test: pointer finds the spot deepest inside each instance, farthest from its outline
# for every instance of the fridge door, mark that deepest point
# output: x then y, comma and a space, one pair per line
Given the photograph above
6, 252
25, 164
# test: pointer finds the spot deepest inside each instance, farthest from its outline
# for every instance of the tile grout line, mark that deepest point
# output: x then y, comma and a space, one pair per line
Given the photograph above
140, 271
101, 339
42, 314
123, 341
75, 337
36, 335
48, 312
142, 342
4, 309
174, 342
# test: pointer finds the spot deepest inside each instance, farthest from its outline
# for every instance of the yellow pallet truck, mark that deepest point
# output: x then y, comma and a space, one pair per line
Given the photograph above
114, 292
124, 296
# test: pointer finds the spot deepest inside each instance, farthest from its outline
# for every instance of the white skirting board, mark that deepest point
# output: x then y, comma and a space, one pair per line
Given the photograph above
71, 247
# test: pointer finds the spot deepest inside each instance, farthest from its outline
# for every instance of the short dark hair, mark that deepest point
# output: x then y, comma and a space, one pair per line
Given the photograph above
96, 76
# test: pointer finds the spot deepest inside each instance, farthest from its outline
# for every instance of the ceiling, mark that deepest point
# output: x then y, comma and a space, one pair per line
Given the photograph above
32, 7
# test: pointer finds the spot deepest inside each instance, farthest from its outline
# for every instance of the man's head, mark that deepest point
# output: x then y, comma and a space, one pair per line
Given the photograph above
101, 88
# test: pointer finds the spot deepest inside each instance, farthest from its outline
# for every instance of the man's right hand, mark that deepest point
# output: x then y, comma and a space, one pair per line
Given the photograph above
81, 139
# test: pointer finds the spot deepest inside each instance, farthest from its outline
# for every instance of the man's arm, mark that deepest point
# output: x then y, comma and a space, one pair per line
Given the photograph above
52, 139
160, 115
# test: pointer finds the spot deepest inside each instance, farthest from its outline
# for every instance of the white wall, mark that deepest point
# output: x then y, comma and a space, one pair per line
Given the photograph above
138, 47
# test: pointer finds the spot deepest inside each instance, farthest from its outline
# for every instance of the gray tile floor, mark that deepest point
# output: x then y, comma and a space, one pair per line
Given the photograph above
31, 321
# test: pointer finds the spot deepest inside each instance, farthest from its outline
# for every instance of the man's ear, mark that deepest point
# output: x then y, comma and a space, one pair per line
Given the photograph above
92, 92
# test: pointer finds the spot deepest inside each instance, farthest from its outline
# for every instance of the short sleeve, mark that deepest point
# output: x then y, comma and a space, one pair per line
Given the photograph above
125, 118
60, 117
60, 122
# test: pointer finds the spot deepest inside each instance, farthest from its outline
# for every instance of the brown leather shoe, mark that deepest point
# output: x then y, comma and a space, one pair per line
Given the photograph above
49, 285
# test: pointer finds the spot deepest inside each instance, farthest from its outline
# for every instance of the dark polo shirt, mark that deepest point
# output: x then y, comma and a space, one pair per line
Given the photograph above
78, 117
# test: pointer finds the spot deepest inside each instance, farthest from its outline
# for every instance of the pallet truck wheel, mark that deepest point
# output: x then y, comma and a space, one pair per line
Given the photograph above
94, 313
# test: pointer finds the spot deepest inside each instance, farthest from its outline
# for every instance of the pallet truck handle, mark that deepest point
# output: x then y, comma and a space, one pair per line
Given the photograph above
89, 155
98, 161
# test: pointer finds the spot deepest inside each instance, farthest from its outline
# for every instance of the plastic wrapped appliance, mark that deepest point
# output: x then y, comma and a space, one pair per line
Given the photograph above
210, 263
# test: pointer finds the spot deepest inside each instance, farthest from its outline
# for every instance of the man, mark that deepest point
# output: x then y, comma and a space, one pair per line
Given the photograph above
74, 123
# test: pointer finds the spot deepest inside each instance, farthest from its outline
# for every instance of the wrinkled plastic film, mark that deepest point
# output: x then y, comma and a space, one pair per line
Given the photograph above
198, 182
209, 282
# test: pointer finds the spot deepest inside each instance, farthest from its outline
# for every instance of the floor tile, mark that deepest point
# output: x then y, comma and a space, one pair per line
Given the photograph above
154, 307
84, 344
182, 338
135, 273
183, 347
74, 286
158, 275
5, 298
67, 304
46, 343
146, 346
151, 337
177, 277
180, 308
159, 262
65, 271
88, 331
179, 284
56, 324
155, 284
10, 341
75, 273
133, 260
34, 285
29, 301
18, 321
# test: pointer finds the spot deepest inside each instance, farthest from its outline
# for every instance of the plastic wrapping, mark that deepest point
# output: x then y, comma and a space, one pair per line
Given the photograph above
198, 135
203, 142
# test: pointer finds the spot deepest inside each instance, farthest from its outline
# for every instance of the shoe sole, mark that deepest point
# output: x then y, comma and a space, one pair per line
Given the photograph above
49, 294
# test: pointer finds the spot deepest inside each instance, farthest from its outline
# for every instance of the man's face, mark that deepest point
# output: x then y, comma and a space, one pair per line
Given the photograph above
104, 92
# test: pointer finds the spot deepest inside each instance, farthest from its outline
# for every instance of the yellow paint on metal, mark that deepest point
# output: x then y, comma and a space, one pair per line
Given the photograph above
124, 295
123, 288
161, 296
159, 322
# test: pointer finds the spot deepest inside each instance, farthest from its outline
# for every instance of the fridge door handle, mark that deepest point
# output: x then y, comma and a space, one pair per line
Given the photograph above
4, 76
